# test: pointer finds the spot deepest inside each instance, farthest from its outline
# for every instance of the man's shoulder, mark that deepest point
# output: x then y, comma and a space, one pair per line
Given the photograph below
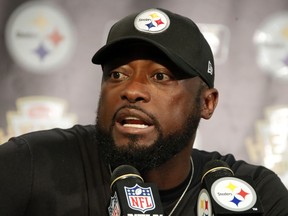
202, 157
53, 140
54, 135
239, 167
58, 149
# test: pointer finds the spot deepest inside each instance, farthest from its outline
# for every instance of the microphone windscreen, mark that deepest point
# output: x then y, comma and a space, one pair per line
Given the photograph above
125, 172
216, 169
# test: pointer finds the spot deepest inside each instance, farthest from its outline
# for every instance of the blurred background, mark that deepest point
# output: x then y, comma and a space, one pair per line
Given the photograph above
47, 78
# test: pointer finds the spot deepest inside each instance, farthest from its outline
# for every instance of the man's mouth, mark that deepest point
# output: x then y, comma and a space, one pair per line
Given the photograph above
134, 122
134, 119
131, 124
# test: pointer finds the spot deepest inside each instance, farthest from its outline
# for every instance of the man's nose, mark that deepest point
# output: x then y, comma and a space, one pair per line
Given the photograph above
136, 91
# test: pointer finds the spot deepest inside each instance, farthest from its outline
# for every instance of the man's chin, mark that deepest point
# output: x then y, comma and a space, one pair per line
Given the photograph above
142, 158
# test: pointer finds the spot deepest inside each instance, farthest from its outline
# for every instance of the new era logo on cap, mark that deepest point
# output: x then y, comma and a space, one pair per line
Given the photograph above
152, 21
210, 68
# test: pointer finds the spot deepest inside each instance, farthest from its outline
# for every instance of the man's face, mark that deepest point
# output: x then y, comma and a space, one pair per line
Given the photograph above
146, 112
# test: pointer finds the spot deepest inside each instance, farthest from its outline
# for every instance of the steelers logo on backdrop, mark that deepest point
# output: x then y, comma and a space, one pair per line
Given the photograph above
271, 39
39, 36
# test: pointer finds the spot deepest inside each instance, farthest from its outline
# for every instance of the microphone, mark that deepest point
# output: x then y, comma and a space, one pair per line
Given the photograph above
131, 196
224, 194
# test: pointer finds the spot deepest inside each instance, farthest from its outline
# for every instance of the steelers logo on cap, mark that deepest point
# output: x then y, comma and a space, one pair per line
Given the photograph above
152, 21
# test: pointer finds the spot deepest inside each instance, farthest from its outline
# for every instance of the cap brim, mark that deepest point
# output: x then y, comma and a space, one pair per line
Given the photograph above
104, 53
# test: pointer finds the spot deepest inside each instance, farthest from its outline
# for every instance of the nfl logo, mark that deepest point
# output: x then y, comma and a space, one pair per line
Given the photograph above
139, 198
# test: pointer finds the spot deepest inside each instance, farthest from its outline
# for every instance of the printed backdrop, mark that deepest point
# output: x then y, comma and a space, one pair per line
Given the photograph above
47, 78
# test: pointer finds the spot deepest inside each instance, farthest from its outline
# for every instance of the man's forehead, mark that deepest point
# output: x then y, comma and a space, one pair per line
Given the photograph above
141, 51
133, 51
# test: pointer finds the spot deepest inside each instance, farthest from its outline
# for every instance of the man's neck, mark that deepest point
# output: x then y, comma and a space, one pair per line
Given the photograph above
173, 172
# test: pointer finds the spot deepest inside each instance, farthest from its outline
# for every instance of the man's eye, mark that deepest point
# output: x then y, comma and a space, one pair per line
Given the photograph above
161, 77
117, 75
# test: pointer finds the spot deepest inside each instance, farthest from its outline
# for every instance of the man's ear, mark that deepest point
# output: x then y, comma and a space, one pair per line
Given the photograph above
209, 103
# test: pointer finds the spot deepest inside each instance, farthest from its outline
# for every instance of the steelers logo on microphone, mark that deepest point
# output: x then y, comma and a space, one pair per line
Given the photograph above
233, 194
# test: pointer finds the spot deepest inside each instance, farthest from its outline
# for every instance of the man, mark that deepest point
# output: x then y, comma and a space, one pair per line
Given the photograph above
158, 82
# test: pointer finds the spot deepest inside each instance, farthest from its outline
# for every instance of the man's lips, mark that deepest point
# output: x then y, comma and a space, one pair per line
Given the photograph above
133, 122
130, 121
133, 118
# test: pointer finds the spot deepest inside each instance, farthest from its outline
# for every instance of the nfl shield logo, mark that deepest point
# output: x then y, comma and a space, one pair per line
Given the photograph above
139, 198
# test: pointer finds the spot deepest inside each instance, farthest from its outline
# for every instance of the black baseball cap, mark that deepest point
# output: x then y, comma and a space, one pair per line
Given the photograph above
178, 37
